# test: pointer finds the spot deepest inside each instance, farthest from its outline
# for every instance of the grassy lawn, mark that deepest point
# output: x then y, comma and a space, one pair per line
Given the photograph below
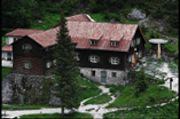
99, 100
6, 71
169, 111
75, 115
23, 106
154, 94
87, 89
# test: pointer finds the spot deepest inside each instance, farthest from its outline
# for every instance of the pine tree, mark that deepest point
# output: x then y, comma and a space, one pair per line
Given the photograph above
66, 70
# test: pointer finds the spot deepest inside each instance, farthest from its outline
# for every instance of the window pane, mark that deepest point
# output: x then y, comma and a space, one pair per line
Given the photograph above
93, 73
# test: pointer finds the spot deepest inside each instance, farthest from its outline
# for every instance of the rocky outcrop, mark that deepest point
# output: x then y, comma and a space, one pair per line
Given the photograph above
136, 14
158, 25
18, 88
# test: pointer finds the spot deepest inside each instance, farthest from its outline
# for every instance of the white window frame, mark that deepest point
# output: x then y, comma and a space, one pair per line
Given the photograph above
27, 47
28, 65
48, 64
130, 58
114, 43
94, 58
114, 60
93, 42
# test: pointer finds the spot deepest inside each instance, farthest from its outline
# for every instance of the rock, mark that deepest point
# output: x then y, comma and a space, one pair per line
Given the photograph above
136, 14
7, 90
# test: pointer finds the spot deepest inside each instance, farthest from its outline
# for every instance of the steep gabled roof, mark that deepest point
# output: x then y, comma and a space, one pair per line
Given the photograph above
20, 32
81, 32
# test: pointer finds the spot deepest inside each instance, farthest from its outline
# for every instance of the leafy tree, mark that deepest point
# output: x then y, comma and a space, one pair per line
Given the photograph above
66, 70
140, 83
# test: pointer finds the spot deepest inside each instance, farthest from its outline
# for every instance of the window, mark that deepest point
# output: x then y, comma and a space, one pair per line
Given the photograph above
93, 73
114, 74
77, 57
26, 47
94, 59
27, 65
48, 65
93, 42
138, 41
114, 43
114, 60
135, 49
130, 58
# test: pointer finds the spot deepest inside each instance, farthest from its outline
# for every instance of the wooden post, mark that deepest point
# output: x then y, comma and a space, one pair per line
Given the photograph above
133, 59
159, 51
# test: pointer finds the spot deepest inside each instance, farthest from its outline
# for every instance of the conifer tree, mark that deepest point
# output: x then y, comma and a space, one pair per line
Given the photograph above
66, 70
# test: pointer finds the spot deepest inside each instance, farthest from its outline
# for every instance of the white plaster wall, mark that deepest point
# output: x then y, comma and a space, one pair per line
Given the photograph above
120, 79
10, 40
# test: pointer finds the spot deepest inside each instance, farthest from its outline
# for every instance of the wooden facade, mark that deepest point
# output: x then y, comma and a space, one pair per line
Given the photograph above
39, 57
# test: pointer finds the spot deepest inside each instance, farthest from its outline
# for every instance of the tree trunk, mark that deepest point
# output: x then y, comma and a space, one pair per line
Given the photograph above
62, 111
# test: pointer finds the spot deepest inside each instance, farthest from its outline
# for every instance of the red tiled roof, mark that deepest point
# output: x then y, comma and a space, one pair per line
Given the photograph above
7, 48
20, 32
80, 17
81, 32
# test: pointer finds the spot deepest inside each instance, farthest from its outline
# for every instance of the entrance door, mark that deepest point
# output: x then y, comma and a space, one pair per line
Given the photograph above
103, 76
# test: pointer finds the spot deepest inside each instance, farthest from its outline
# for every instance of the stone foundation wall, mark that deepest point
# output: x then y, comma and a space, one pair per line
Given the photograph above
28, 89
120, 79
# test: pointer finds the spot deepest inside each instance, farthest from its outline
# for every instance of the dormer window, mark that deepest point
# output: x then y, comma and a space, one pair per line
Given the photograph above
26, 47
94, 59
114, 60
93, 42
114, 43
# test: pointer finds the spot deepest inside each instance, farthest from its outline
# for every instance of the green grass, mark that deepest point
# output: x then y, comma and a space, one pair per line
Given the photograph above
154, 94
74, 115
49, 21
87, 88
104, 98
169, 111
98, 17
171, 48
22, 106
6, 71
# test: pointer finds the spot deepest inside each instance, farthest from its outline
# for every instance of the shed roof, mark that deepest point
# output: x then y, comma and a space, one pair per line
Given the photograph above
7, 48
